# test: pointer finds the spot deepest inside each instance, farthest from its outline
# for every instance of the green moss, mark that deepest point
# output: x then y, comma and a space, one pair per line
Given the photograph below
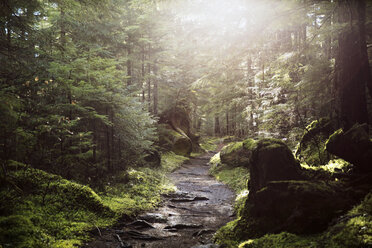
281, 240
235, 177
236, 154
232, 147
334, 166
225, 236
311, 148
351, 230
334, 135
270, 142
354, 229
214, 162
171, 161
143, 188
44, 210
177, 141
209, 143
17, 229
249, 144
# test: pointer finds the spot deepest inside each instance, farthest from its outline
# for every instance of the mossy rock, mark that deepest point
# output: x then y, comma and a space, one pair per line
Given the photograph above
282, 240
272, 160
354, 146
176, 141
64, 192
311, 148
182, 144
297, 206
77, 196
238, 153
353, 230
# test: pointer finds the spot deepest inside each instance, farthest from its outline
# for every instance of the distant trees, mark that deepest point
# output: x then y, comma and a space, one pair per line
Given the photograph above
310, 61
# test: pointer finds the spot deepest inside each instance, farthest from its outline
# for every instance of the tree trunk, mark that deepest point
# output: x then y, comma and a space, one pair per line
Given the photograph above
227, 123
216, 126
155, 90
129, 62
94, 142
63, 31
149, 82
351, 70
143, 74
363, 45
108, 148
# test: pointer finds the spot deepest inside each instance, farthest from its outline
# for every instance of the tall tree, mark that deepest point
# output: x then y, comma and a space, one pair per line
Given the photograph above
352, 64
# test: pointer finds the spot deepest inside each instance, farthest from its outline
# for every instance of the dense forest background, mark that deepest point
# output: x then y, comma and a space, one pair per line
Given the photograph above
88, 89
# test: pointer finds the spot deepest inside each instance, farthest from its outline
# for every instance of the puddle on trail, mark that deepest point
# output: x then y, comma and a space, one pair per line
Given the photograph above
185, 219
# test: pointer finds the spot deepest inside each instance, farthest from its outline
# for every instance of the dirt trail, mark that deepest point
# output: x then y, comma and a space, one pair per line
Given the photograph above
186, 218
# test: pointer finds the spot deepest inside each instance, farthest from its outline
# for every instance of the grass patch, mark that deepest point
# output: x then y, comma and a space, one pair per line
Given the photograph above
39, 209
235, 177
143, 188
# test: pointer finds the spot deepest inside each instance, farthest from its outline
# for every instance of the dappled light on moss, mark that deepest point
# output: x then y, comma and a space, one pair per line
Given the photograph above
209, 144
55, 212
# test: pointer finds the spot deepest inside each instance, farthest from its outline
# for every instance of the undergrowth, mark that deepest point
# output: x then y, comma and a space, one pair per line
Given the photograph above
39, 209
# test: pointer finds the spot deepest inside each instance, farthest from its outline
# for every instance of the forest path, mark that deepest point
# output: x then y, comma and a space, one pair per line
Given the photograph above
187, 218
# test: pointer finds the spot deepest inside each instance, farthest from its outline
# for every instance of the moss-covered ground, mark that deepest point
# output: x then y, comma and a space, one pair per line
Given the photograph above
39, 209
210, 144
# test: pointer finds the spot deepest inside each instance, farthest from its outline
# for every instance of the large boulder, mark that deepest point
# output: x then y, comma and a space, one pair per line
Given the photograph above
272, 160
182, 145
195, 139
184, 141
238, 153
311, 148
172, 140
354, 146
297, 206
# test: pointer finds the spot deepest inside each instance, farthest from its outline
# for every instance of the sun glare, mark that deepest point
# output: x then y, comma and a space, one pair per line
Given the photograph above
222, 16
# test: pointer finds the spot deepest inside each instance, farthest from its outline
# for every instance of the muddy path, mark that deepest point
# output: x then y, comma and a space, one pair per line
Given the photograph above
187, 218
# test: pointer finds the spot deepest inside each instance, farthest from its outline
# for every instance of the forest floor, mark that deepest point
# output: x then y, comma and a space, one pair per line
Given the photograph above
186, 218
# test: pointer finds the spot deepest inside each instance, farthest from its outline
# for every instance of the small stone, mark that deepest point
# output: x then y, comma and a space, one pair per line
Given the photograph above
153, 218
